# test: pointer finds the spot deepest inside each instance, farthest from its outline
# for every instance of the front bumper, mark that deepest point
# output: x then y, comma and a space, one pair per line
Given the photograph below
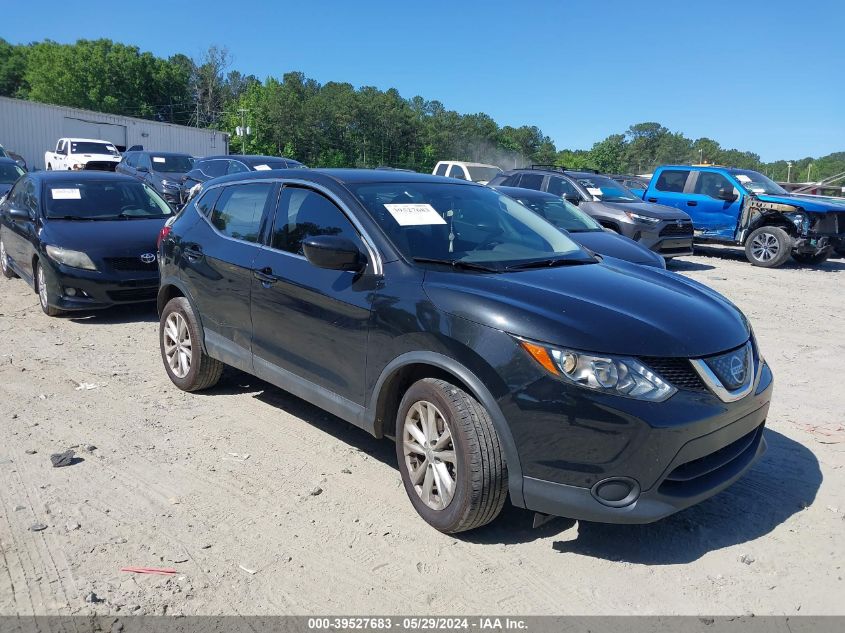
667, 238
692, 447
97, 289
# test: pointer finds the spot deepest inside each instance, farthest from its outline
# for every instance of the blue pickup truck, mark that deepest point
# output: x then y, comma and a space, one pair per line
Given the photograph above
743, 207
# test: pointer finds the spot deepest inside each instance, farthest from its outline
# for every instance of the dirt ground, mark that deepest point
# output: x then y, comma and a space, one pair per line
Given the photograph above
219, 486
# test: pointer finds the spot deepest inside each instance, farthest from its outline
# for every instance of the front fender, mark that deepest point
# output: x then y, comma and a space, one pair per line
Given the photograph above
165, 292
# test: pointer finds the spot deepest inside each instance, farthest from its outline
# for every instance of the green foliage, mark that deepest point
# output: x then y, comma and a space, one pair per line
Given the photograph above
334, 124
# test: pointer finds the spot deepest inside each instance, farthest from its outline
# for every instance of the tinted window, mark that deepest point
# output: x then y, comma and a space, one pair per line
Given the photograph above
561, 213
561, 187
214, 168
236, 167
275, 163
672, 180
144, 161
483, 174
9, 173
129, 160
709, 183
441, 169
28, 200
172, 163
102, 200
85, 147
207, 200
457, 172
531, 181
304, 213
238, 211
509, 181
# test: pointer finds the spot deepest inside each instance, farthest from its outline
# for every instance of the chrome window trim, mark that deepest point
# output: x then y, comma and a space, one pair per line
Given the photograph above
715, 385
374, 255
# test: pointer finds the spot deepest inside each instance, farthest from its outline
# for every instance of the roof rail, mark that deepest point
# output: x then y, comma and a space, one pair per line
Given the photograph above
548, 166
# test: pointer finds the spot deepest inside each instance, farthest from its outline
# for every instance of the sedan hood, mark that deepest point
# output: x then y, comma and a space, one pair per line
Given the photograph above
613, 308
812, 204
643, 208
618, 246
105, 238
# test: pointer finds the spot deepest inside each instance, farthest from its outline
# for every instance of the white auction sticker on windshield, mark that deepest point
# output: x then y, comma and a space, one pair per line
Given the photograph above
262, 168
65, 194
158, 159
414, 214
743, 178
594, 191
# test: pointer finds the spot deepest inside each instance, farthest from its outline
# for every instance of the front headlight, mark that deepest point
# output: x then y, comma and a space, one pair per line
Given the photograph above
636, 217
78, 166
74, 259
617, 375
801, 221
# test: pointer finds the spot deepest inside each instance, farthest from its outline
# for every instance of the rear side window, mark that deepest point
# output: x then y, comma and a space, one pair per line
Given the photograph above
457, 172
441, 169
709, 183
144, 161
214, 168
236, 167
238, 211
561, 187
672, 180
531, 181
206, 202
304, 213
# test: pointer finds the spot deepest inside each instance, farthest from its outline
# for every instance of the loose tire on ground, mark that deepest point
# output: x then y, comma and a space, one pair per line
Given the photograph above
768, 247
813, 260
477, 463
8, 273
180, 342
44, 294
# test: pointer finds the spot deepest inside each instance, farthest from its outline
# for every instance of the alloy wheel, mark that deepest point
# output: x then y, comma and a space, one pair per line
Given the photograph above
177, 344
764, 247
430, 455
42, 287
4, 258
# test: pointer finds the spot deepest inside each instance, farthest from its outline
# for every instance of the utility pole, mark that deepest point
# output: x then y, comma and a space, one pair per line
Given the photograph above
701, 155
809, 167
788, 171
244, 130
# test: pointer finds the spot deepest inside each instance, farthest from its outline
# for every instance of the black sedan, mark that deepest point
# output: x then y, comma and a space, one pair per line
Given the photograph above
213, 166
582, 228
82, 240
163, 171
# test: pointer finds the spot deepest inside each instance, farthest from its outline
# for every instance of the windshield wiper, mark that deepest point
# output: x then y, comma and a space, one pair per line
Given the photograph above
132, 216
456, 263
70, 217
550, 263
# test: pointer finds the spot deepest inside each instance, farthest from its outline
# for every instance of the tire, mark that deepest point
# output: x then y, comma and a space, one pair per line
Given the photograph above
44, 294
187, 365
813, 260
7, 271
768, 247
49, 167
840, 250
477, 469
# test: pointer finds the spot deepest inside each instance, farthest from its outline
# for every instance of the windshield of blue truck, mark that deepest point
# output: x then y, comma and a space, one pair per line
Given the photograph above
755, 182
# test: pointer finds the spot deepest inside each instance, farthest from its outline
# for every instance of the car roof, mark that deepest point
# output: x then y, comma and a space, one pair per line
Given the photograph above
87, 140
248, 158
343, 176
513, 192
150, 152
52, 176
551, 170
468, 164
730, 170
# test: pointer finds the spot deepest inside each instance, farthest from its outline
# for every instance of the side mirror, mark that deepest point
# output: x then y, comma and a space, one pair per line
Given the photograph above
18, 214
726, 194
572, 197
333, 252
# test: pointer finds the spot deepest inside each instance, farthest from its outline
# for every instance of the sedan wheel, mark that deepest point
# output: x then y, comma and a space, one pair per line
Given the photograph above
177, 344
44, 291
430, 455
8, 273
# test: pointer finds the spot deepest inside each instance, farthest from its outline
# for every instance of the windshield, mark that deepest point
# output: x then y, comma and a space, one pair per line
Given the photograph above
755, 182
460, 224
9, 173
276, 164
606, 190
483, 174
172, 164
563, 214
3, 152
85, 147
102, 200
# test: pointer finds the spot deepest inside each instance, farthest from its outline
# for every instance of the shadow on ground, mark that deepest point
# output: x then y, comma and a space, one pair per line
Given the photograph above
136, 313
834, 264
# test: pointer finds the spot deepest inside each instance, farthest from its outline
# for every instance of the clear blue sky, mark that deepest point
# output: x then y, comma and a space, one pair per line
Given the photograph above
766, 76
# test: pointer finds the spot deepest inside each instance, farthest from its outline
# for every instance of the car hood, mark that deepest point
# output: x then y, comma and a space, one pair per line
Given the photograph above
812, 204
175, 177
613, 308
643, 208
89, 157
105, 238
618, 246
4, 189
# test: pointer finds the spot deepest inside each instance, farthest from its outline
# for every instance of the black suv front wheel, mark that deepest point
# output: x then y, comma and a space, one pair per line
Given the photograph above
450, 457
187, 365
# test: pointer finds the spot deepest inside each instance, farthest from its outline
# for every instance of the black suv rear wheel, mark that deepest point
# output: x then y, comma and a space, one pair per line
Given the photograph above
188, 367
451, 461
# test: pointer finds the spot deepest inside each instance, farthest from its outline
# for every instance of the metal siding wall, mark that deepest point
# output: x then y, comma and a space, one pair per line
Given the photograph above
31, 128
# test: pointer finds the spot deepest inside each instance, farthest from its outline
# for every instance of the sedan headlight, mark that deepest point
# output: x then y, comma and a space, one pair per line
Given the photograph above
636, 217
74, 259
617, 375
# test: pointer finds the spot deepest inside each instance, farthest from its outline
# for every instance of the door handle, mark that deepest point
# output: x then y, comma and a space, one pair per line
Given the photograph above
192, 253
265, 276
692, 203
652, 199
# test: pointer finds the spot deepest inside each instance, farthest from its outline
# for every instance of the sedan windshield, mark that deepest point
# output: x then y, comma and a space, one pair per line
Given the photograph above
755, 182
563, 214
102, 200
85, 147
606, 190
172, 163
483, 174
465, 226
9, 173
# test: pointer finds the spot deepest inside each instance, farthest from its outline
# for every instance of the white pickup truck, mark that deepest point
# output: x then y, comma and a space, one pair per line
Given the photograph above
82, 153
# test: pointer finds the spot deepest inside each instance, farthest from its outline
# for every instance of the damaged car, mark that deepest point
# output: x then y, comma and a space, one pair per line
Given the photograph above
743, 207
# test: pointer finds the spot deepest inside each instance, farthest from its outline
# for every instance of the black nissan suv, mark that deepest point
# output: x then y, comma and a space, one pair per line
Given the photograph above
503, 358
663, 229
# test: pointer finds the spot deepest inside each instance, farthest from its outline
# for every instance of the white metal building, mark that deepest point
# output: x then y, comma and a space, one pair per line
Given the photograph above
30, 129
